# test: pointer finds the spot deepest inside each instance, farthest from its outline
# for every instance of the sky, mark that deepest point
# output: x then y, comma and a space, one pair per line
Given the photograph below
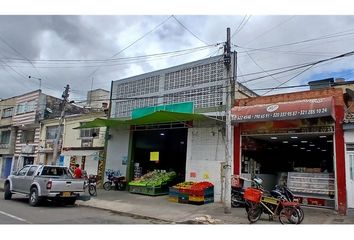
88, 51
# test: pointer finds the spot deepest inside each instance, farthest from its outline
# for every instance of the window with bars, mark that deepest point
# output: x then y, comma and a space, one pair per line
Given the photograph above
89, 132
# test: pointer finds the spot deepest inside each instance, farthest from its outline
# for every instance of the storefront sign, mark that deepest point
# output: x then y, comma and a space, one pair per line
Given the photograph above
154, 156
307, 108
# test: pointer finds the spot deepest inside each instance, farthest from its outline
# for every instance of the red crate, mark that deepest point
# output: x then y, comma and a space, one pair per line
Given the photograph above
253, 194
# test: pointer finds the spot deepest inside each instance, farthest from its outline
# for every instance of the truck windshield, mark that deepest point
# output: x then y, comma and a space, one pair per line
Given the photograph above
56, 171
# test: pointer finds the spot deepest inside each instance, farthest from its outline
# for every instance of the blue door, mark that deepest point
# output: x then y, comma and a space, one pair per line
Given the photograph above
7, 169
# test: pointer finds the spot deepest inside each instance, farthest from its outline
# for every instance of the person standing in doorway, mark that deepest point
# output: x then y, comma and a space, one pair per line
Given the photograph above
77, 172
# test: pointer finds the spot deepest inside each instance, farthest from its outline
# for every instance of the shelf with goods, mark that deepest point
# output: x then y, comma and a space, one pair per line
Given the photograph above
154, 183
196, 193
314, 189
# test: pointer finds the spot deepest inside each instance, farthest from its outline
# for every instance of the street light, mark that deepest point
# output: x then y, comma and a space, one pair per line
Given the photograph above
39, 79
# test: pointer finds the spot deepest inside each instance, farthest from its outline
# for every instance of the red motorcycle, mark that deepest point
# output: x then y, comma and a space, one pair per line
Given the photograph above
118, 182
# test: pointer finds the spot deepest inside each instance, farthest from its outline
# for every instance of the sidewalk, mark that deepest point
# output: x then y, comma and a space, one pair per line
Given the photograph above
161, 209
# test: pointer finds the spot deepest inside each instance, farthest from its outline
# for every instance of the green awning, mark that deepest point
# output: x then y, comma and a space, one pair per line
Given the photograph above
153, 118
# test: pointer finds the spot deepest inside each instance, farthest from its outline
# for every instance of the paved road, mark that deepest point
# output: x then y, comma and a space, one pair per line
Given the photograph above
18, 211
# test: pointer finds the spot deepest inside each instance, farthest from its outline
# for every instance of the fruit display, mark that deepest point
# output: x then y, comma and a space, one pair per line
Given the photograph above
192, 192
154, 179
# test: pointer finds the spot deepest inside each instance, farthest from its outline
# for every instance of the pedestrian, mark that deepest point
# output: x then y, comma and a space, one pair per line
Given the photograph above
77, 172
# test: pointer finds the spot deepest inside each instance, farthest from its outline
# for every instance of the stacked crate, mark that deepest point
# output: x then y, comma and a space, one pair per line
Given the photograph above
199, 197
188, 193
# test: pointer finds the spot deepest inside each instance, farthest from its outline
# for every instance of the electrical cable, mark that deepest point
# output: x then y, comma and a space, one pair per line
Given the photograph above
174, 17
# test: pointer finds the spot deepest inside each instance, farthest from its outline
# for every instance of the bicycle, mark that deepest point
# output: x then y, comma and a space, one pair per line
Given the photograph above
286, 211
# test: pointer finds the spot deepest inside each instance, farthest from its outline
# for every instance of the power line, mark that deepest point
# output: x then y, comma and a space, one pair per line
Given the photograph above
238, 26
334, 35
241, 27
131, 44
19, 53
116, 59
270, 30
174, 17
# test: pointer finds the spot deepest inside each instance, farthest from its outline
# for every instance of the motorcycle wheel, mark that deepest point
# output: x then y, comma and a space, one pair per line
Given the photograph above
235, 202
107, 186
289, 215
254, 213
92, 190
301, 214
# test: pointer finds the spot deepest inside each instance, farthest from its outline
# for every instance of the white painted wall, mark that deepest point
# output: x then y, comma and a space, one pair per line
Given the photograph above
205, 153
117, 150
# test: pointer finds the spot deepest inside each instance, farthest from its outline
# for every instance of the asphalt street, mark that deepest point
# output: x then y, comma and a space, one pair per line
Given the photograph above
18, 211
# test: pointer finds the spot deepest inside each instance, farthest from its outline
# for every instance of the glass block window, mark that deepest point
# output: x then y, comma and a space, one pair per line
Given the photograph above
201, 97
193, 76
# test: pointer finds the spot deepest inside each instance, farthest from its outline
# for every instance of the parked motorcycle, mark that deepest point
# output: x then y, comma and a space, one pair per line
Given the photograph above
118, 182
283, 192
237, 199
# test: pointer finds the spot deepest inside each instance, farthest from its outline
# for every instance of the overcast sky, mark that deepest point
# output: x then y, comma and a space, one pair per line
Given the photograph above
52, 48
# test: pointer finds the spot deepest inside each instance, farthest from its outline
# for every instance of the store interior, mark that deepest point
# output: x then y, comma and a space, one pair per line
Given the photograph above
272, 156
169, 147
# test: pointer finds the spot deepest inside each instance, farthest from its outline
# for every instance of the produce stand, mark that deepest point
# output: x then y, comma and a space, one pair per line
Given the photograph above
153, 183
196, 193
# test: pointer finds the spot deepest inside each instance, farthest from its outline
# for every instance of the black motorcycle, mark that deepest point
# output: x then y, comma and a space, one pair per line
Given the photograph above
119, 183
237, 199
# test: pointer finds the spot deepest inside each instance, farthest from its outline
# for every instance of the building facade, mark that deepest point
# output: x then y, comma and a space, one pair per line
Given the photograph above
297, 139
7, 136
195, 150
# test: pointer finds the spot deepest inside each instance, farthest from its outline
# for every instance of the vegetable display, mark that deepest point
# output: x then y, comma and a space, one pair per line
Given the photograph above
154, 179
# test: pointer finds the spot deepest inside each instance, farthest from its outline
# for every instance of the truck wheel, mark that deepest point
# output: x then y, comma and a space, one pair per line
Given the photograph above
69, 201
34, 198
7, 192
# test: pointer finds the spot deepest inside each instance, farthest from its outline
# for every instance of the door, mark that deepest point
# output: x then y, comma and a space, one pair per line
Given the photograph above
7, 169
18, 180
29, 178
350, 178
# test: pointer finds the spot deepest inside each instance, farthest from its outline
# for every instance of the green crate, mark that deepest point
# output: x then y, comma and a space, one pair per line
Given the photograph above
151, 191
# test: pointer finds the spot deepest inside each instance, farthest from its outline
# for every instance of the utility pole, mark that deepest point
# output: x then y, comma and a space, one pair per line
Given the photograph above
58, 133
227, 170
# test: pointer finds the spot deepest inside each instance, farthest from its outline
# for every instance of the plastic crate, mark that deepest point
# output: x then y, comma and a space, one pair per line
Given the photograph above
173, 199
204, 192
196, 198
183, 200
252, 194
151, 191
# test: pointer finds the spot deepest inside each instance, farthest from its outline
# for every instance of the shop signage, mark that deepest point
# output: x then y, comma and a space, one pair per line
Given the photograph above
154, 156
307, 108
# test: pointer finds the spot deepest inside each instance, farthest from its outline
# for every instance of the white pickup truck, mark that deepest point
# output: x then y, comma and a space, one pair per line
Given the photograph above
40, 182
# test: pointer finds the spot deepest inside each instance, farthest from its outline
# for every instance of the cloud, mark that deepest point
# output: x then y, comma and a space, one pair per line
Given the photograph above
84, 37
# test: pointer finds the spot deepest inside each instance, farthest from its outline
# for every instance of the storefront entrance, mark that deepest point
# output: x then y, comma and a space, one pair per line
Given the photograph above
302, 161
350, 175
163, 149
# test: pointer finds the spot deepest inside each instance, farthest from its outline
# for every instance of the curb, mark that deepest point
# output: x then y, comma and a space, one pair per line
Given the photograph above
127, 213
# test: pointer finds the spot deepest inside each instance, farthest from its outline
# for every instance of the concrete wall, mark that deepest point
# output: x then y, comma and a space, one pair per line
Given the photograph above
118, 150
205, 153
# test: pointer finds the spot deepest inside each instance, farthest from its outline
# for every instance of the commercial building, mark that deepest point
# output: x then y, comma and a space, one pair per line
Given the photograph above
162, 109
294, 138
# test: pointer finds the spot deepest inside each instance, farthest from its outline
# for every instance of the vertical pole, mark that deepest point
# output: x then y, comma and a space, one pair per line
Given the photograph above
227, 63
61, 119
